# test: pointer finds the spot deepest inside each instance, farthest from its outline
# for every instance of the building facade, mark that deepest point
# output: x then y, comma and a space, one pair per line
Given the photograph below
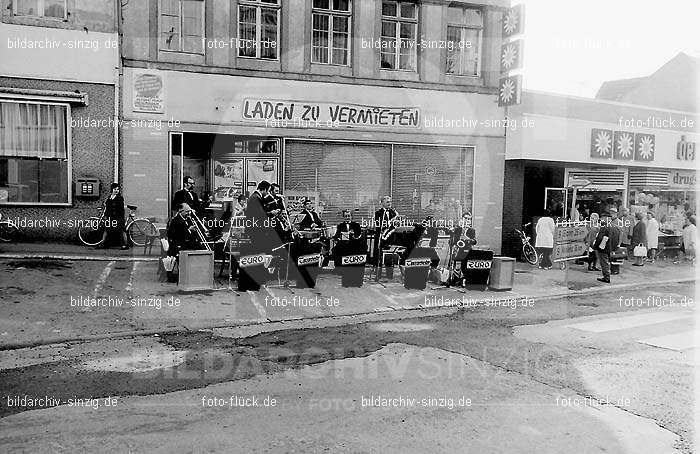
633, 156
58, 112
340, 101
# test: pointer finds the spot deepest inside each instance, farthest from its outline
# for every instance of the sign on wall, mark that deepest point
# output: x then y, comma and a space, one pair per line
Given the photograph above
622, 145
513, 21
148, 92
509, 90
304, 114
511, 55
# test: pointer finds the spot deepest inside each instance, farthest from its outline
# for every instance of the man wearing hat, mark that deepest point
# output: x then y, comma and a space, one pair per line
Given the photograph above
605, 243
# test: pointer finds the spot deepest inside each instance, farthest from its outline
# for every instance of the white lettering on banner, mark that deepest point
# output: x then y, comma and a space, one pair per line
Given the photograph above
354, 259
251, 260
568, 250
478, 264
412, 263
309, 259
323, 114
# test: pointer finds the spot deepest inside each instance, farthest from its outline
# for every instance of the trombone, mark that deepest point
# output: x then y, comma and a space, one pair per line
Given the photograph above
200, 229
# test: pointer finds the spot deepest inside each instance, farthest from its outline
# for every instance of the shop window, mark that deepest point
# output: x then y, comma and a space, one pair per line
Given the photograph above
464, 32
258, 29
399, 30
55, 9
33, 153
182, 26
331, 32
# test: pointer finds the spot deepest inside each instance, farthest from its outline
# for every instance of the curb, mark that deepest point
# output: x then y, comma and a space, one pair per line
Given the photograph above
396, 314
93, 258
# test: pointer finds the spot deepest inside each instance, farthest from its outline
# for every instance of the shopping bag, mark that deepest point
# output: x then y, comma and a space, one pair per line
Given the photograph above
640, 251
169, 263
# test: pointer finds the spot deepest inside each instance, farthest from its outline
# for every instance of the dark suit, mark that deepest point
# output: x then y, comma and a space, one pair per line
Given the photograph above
180, 237
310, 218
354, 245
257, 224
190, 198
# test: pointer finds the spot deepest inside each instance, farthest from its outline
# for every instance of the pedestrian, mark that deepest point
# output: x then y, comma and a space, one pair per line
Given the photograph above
625, 222
544, 239
639, 239
652, 235
690, 239
590, 240
605, 243
114, 223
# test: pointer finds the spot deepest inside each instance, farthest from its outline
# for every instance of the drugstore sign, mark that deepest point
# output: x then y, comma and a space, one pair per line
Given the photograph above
304, 114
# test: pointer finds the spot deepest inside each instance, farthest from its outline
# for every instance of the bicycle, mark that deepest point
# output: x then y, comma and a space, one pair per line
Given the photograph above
529, 251
138, 229
8, 230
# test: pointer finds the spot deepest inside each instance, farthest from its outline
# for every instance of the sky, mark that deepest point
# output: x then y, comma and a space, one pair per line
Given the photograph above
573, 46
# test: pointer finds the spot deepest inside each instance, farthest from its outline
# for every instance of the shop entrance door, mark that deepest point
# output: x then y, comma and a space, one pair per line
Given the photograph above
257, 169
556, 201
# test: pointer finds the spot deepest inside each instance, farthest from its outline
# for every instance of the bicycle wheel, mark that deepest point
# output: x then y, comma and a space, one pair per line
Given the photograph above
530, 254
8, 232
90, 232
139, 230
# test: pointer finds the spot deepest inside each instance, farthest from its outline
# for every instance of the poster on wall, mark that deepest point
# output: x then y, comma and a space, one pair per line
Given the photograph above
148, 92
228, 180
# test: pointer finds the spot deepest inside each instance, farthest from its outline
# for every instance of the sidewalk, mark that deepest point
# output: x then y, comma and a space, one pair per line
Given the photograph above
137, 303
71, 251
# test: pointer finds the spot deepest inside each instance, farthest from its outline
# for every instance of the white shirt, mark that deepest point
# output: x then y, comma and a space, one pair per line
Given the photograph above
544, 231
690, 236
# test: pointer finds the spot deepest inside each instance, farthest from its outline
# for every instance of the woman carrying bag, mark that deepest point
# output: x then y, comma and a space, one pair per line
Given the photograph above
639, 240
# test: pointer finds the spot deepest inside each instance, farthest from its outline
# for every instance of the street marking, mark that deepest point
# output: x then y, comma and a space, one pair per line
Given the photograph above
103, 277
130, 285
630, 321
254, 299
676, 341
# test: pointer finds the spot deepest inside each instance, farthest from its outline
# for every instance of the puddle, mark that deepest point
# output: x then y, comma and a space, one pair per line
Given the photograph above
401, 327
140, 359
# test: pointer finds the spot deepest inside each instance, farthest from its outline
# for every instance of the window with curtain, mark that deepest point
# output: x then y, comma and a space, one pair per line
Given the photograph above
182, 26
399, 29
464, 31
33, 153
331, 32
258, 29
41, 8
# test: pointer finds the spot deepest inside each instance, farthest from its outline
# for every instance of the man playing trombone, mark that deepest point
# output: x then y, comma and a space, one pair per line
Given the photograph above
184, 233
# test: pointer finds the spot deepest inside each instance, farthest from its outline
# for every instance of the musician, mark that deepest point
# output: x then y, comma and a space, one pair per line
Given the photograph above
383, 222
311, 219
273, 202
465, 232
257, 225
348, 237
188, 196
182, 232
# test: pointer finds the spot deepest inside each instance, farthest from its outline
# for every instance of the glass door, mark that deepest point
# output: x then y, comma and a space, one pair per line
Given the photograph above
556, 201
260, 169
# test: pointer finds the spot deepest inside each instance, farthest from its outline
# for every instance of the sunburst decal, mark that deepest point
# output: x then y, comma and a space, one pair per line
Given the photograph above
510, 22
646, 147
507, 91
625, 145
509, 54
603, 143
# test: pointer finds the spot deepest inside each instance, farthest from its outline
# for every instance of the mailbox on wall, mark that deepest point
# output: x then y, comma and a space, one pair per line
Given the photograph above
87, 187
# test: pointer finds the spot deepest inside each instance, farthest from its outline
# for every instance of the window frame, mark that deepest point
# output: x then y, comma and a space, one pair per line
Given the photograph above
398, 20
68, 158
332, 14
181, 16
462, 26
41, 5
258, 5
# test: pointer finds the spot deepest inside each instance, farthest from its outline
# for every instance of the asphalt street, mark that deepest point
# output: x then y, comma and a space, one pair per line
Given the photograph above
594, 373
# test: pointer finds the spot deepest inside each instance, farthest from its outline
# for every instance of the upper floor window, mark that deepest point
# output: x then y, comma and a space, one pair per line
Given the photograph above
258, 29
182, 26
399, 29
41, 8
331, 32
33, 153
464, 30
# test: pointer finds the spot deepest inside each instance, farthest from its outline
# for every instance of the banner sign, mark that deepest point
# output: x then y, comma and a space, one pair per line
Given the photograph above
252, 260
478, 264
513, 21
311, 259
354, 260
569, 250
510, 90
609, 144
512, 55
570, 233
414, 263
302, 114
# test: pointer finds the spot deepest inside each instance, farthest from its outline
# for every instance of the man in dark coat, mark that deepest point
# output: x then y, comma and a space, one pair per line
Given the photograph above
348, 237
257, 225
188, 196
606, 242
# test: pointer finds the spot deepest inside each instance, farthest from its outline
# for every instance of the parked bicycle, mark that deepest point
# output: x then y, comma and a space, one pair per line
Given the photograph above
8, 230
529, 251
138, 229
